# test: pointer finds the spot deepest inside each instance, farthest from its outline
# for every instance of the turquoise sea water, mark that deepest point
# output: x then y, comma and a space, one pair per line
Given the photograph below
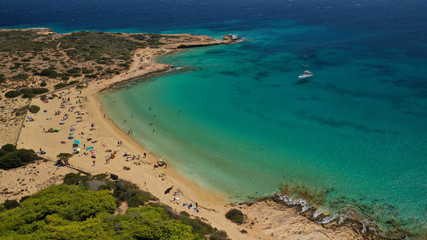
240, 123
352, 140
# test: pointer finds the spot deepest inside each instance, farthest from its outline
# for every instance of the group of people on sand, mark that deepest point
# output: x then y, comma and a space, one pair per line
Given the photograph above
81, 137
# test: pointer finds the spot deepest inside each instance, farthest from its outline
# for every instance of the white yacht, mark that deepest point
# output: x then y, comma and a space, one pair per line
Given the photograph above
307, 74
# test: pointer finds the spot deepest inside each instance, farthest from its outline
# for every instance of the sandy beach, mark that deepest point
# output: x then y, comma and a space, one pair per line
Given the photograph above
100, 147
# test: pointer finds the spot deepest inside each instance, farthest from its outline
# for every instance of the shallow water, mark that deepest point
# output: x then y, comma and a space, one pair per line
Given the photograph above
352, 138
240, 122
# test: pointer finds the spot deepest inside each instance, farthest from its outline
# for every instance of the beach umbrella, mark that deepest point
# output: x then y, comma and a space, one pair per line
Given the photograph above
89, 148
76, 142
57, 130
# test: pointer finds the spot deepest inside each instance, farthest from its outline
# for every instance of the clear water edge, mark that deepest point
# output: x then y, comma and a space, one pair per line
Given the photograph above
365, 104
189, 172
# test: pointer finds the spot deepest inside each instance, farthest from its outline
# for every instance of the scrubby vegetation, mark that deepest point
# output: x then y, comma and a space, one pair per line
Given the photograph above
34, 58
10, 157
236, 216
32, 92
12, 94
11, 204
34, 109
62, 85
26, 92
75, 212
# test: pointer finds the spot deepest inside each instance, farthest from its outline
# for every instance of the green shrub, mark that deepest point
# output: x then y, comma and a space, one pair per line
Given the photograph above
12, 94
87, 71
20, 76
73, 179
218, 235
139, 198
129, 192
43, 98
16, 158
60, 85
91, 76
74, 70
43, 84
26, 90
40, 90
235, 216
28, 95
109, 71
11, 204
34, 109
21, 111
138, 37
2, 152
74, 212
73, 82
48, 72
200, 227
23, 198
100, 176
10, 160
65, 78
2, 78
114, 176
8, 147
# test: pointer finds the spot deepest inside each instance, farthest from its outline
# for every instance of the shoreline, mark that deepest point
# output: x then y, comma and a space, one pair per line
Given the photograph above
367, 230
212, 204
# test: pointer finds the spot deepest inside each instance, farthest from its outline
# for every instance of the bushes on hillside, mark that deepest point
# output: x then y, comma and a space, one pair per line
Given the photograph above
10, 157
219, 235
8, 147
27, 92
12, 94
34, 108
11, 204
62, 85
50, 73
40, 90
235, 216
32, 92
114, 176
74, 212
126, 191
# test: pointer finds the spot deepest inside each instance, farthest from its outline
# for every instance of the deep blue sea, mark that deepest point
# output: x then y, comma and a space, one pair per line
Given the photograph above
353, 138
